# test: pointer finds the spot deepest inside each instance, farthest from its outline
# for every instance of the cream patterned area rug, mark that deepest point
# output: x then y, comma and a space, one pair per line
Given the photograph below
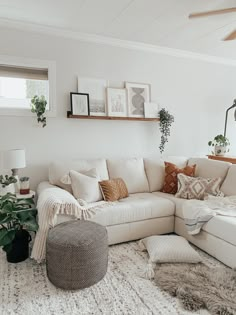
25, 289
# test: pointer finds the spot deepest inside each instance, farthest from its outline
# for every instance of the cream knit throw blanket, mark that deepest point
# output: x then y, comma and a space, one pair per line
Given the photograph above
198, 212
51, 202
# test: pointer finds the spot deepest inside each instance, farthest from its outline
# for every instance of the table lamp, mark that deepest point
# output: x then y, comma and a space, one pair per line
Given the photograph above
226, 116
14, 159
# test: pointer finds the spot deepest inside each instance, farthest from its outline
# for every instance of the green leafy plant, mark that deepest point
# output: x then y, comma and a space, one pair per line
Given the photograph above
38, 106
7, 180
15, 215
166, 120
219, 140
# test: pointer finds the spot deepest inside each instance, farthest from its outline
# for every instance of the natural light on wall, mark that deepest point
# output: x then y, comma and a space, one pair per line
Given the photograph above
19, 84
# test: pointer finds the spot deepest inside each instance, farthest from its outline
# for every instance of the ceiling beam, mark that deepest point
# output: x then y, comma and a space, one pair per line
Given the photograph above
231, 36
214, 12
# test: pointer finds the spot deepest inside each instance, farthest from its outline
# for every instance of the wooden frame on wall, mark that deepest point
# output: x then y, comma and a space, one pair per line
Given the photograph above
138, 93
117, 102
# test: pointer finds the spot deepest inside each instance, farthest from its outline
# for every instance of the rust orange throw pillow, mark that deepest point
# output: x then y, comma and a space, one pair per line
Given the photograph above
171, 181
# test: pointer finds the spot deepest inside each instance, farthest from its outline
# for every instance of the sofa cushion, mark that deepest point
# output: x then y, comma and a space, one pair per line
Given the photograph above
222, 227
210, 168
229, 185
155, 170
179, 161
136, 207
58, 169
177, 201
131, 171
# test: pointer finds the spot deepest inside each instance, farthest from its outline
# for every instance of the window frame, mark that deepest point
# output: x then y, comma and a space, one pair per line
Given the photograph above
38, 64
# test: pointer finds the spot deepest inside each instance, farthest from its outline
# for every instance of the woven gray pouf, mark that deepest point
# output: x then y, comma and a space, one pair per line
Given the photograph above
76, 254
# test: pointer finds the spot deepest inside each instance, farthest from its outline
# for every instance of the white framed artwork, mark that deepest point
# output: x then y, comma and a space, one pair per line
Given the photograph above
138, 94
151, 110
117, 102
96, 88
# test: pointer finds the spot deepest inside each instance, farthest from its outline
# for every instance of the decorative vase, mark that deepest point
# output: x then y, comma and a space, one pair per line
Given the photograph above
24, 187
220, 150
20, 247
7, 189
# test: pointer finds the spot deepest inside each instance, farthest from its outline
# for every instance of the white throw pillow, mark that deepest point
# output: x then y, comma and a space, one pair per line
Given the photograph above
58, 169
170, 249
85, 186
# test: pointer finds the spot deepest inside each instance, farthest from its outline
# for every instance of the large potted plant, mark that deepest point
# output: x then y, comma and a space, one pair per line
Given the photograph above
220, 144
17, 218
7, 184
166, 120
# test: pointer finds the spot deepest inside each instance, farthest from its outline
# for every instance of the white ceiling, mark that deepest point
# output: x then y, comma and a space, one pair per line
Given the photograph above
156, 22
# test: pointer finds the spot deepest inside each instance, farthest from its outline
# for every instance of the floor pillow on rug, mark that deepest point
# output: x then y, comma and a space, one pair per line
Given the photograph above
167, 249
199, 286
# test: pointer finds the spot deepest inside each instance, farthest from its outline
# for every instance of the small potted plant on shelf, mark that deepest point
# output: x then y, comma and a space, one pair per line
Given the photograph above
17, 218
220, 144
166, 120
7, 184
38, 106
24, 185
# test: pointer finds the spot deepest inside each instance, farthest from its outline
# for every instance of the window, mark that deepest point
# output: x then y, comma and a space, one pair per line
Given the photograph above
20, 82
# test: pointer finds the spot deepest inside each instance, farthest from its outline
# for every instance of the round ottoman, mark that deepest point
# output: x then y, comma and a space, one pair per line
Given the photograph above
76, 254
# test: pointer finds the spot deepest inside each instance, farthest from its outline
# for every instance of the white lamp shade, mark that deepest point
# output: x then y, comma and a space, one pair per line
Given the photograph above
14, 159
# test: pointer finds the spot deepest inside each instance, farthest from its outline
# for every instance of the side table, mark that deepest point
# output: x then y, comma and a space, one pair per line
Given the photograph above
231, 159
30, 195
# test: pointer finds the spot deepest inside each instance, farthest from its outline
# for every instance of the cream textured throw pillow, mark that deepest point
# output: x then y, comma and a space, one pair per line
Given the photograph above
197, 187
85, 186
170, 249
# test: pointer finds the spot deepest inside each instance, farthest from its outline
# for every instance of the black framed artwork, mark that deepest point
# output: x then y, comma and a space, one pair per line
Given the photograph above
79, 104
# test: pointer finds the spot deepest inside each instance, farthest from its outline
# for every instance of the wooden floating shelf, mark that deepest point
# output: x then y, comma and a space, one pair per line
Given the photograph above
69, 115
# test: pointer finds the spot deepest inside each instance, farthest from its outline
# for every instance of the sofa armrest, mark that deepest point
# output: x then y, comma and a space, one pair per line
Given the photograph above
52, 201
55, 195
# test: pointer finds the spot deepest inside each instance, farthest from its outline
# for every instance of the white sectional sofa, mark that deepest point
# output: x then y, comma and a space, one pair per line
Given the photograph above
147, 211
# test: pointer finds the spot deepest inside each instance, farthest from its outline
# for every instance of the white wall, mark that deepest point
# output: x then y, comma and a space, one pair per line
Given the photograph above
195, 91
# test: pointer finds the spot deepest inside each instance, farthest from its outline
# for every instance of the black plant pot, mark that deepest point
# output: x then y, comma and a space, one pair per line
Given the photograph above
20, 247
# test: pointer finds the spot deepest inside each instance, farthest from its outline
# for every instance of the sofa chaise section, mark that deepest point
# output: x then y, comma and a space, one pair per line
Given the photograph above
218, 235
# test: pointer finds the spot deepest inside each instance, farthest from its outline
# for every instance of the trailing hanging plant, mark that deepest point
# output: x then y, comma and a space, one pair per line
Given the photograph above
38, 106
166, 120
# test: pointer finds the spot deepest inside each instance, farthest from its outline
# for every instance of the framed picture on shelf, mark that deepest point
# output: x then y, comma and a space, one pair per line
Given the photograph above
79, 103
151, 110
138, 94
117, 102
96, 88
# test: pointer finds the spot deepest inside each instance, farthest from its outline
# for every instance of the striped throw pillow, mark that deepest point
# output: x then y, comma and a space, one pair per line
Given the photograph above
113, 189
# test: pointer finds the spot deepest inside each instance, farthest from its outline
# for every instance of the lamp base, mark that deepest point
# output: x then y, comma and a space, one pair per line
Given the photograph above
15, 172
